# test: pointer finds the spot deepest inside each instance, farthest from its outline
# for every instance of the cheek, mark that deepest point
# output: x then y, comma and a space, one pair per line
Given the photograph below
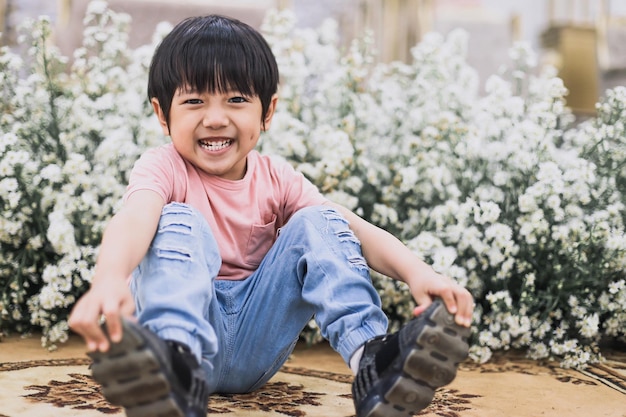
254, 126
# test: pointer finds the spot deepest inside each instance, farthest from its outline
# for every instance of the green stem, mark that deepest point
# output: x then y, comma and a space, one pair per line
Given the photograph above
53, 127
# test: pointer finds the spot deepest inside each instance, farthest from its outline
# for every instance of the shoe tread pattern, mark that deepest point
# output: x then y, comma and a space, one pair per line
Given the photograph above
429, 359
132, 377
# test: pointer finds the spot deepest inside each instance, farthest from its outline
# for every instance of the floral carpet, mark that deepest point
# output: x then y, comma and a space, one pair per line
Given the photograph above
315, 382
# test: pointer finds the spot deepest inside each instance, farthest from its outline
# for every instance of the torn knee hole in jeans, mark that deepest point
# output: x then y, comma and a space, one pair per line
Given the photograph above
173, 254
347, 236
178, 227
355, 259
177, 208
358, 262
332, 214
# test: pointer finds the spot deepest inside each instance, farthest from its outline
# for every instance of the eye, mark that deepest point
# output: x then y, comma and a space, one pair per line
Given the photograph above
193, 101
238, 99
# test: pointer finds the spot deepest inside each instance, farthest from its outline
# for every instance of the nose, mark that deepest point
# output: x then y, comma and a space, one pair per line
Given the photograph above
215, 117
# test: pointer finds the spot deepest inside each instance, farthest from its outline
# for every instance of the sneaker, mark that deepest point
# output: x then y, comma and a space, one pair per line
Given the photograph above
151, 377
399, 373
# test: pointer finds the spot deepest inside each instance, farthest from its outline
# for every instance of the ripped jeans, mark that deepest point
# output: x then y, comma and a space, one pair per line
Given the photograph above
245, 330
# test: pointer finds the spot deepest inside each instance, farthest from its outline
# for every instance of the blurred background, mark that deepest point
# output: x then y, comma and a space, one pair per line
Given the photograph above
584, 39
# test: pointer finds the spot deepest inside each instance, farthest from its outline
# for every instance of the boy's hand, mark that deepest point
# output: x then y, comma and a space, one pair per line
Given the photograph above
109, 301
457, 299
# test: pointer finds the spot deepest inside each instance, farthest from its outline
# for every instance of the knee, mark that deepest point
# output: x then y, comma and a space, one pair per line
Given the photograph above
182, 223
319, 213
327, 220
334, 229
183, 234
178, 216
173, 209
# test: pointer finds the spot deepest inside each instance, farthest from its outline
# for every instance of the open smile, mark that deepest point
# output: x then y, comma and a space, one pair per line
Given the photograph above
215, 145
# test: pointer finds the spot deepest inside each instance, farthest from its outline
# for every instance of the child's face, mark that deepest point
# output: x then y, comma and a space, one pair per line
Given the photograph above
215, 131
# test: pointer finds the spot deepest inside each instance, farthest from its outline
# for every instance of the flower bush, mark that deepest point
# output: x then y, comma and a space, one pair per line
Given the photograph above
68, 138
499, 190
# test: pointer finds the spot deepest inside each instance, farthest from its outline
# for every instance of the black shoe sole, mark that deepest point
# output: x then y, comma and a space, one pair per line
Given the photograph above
429, 361
132, 376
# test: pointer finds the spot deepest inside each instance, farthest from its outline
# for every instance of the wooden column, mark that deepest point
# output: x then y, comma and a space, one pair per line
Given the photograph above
3, 21
398, 25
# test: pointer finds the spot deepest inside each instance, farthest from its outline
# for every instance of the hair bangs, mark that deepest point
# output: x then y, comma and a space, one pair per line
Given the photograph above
215, 66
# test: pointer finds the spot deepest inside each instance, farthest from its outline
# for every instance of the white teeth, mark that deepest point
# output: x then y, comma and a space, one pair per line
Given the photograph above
215, 146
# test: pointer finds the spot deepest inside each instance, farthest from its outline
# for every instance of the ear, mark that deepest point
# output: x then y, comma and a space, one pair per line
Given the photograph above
270, 113
160, 115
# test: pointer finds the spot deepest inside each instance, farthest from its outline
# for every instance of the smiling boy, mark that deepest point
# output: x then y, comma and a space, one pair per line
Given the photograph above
230, 253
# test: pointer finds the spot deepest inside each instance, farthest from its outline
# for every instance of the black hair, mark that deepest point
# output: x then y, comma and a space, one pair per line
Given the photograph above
214, 54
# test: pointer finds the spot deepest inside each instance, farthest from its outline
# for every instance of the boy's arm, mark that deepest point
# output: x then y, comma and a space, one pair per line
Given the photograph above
389, 256
124, 244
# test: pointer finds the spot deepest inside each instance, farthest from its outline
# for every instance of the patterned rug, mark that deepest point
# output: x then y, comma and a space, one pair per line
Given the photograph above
64, 387
507, 386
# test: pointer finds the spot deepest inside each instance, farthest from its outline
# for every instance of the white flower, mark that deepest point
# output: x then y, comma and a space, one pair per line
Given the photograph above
7, 140
97, 7
443, 259
8, 185
539, 351
527, 203
486, 212
51, 172
61, 233
590, 325
11, 160
480, 354
500, 297
524, 54
425, 243
616, 287
347, 200
384, 215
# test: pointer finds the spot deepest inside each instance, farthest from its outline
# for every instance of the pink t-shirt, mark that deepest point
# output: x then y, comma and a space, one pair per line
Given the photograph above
244, 215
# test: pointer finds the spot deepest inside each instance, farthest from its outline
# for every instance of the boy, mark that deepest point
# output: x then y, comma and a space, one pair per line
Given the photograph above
231, 253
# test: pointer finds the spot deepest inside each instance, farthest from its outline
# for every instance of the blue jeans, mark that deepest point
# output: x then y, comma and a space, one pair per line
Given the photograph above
243, 331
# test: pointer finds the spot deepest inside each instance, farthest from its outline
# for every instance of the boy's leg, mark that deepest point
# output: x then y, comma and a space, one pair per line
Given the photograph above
155, 369
315, 267
173, 285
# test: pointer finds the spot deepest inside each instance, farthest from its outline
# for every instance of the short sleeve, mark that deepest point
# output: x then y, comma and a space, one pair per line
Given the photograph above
155, 171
